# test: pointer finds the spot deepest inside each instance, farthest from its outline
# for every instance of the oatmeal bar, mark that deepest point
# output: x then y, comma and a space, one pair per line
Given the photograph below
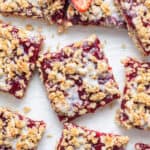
26, 8
135, 107
137, 16
51, 10
78, 79
141, 146
19, 51
75, 138
18, 132
98, 12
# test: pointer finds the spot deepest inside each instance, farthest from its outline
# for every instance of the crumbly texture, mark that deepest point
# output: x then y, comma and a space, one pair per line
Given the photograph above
141, 146
75, 137
18, 132
54, 10
137, 16
19, 51
99, 13
78, 79
50, 10
135, 107
26, 8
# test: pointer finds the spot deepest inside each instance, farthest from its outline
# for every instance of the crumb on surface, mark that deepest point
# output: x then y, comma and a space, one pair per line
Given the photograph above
49, 135
29, 27
123, 46
26, 110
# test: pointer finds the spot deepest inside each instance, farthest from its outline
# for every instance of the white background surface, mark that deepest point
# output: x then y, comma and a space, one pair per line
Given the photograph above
103, 119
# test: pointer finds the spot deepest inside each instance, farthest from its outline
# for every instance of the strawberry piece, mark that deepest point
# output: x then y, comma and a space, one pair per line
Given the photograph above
82, 5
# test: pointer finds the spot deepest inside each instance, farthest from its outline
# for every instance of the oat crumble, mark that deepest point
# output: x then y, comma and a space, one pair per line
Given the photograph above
18, 132
137, 15
75, 137
135, 107
101, 12
19, 50
78, 79
49, 10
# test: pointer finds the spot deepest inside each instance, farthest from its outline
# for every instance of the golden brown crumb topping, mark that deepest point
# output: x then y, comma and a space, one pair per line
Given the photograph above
18, 132
135, 105
51, 10
137, 14
17, 47
21, 7
99, 9
73, 78
75, 137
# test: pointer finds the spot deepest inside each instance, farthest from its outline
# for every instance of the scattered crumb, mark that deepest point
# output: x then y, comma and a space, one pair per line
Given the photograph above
49, 49
58, 46
1, 21
53, 36
39, 29
26, 110
61, 29
102, 45
105, 42
123, 46
49, 136
111, 105
29, 27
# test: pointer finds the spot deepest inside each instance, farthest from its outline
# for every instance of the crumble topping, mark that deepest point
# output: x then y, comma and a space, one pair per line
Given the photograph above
75, 137
53, 10
28, 8
18, 132
78, 78
137, 15
50, 10
18, 52
135, 107
100, 12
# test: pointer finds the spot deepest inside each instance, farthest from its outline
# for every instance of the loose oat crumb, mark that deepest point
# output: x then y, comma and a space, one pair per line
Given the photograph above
53, 36
49, 136
123, 46
29, 27
58, 46
39, 29
105, 42
112, 105
26, 110
61, 29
